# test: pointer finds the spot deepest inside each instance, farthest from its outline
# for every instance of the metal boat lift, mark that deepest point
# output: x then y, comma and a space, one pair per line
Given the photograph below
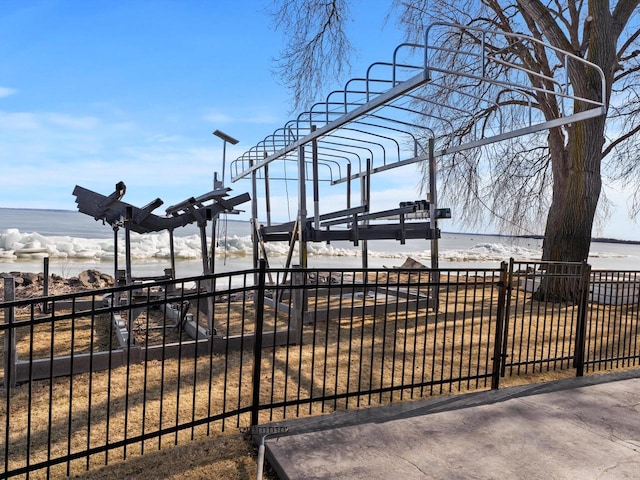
408, 110
118, 214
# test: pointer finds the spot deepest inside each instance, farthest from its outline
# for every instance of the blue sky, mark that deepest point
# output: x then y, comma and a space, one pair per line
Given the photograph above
94, 92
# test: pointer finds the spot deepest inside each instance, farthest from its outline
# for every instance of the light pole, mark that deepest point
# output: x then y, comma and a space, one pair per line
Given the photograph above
214, 221
225, 138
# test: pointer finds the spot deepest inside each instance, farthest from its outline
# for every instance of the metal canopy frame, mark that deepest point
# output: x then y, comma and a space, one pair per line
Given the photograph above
387, 119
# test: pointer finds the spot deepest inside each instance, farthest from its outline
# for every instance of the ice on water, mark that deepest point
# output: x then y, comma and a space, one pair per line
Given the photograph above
14, 243
68, 237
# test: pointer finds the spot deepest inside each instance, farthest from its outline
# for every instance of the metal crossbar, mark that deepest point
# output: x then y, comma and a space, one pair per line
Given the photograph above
393, 98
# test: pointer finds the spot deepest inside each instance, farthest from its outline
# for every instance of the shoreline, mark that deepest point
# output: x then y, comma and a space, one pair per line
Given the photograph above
541, 237
31, 285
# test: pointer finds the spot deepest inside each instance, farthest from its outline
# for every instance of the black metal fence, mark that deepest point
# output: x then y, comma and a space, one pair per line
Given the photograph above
97, 376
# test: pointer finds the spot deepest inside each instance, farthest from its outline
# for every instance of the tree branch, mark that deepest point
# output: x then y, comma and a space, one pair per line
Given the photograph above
622, 13
619, 140
632, 38
549, 28
318, 47
626, 73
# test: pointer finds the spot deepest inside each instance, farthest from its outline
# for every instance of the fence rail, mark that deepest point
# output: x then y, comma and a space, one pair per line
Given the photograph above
97, 376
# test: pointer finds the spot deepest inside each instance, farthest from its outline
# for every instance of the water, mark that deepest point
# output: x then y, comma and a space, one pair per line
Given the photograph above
74, 242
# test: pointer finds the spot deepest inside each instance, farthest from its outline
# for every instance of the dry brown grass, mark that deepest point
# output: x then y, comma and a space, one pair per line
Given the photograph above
389, 347
222, 457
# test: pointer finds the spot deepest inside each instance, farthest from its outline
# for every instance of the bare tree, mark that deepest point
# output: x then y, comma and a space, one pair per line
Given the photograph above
559, 175
317, 46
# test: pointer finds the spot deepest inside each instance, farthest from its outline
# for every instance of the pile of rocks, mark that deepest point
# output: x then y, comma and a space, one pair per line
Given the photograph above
30, 285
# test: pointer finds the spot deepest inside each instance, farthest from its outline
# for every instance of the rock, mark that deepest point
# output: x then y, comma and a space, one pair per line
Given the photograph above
410, 263
29, 279
87, 278
94, 279
29, 285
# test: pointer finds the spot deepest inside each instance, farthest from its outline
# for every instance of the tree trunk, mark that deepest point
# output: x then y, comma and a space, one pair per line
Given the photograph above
576, 190
577, 180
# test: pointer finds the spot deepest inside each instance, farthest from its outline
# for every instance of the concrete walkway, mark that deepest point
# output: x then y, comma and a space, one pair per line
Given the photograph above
581, 428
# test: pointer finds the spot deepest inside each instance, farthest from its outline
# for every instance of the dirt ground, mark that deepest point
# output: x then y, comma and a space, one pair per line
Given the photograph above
228, 456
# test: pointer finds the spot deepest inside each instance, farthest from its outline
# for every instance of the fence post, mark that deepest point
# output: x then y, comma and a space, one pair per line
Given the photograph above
45, 289
10, 354
507, 309
581, 328
498, 355
257, 344
299, 301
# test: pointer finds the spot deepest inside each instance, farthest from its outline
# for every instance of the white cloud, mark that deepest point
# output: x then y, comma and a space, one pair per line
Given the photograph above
261, 118
18, 121
162, 138
6, 92
217, 117
254, 118
69, 121
32, 121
